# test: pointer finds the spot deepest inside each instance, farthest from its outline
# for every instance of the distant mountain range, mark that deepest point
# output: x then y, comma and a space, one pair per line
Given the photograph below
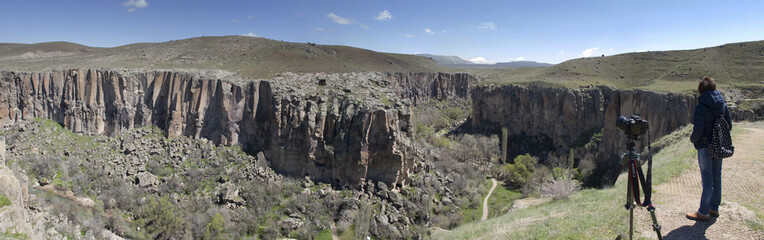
457, 61
520, 64
446, 60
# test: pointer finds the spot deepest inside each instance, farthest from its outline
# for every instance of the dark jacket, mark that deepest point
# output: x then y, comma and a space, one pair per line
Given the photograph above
710, 105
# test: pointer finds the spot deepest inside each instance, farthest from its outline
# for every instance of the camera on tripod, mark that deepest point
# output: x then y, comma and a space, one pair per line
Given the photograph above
632, 126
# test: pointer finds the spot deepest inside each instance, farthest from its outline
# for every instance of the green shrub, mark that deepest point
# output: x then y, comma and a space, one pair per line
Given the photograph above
216, 228
161, 219
4, 201
516, 174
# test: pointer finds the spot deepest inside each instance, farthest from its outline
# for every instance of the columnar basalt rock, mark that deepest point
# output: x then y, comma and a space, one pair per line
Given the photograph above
564, 115
332, 127
421, 87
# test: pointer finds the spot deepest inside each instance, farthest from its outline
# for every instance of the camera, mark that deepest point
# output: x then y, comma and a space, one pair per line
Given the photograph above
632, 126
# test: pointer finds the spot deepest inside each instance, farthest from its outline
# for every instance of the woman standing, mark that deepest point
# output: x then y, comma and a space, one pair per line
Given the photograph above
710, 105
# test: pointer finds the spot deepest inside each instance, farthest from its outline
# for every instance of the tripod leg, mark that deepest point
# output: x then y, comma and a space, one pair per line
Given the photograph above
631, 223
656, 227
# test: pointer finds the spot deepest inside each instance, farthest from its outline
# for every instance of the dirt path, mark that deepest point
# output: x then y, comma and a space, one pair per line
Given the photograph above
334, 232
485, 200
742, 191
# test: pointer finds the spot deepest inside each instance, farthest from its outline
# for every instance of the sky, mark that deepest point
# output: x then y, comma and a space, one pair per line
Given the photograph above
482, 31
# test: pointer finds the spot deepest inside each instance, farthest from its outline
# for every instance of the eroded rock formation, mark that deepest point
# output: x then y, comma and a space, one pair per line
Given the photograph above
339, 128
562, 117
332, 137
421, 87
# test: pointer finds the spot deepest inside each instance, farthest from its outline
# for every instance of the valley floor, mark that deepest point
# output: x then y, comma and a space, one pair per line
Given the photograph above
599, 214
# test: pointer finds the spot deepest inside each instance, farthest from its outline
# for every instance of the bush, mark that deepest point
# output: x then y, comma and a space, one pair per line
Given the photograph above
4, 201
477, 149
216, 228
161, 219
560, 184
517, 174
116, 223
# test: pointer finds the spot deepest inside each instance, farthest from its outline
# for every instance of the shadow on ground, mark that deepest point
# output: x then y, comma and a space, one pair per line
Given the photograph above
696, 231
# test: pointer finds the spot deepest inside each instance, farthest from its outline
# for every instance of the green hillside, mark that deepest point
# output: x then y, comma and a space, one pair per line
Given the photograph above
248, 56
737, 65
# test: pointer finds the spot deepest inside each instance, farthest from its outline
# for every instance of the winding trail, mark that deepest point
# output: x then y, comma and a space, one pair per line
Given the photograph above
485, 200
334, 232
742, 194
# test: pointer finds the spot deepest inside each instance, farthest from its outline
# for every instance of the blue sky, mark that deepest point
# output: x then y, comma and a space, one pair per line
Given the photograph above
547, 31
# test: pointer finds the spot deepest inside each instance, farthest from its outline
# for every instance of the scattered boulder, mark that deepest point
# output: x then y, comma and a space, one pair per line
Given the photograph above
146, 179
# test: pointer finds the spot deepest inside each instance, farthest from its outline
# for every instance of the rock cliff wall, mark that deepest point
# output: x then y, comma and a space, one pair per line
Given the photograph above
420, 87
338, 128
332, 136
563, 117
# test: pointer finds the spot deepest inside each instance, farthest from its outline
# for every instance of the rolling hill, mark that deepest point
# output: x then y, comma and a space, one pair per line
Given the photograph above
247, 56
735, 65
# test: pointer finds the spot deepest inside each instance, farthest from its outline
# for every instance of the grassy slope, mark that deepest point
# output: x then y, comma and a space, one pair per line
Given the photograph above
588, 214
733, 65
15, 49
248, 56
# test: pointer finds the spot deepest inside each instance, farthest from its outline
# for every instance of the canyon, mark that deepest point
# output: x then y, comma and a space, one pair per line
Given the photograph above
341, 128
331, 127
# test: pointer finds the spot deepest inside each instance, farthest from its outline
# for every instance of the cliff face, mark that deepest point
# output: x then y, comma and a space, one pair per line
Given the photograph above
332, 127
331, 137
563, 117
421, 87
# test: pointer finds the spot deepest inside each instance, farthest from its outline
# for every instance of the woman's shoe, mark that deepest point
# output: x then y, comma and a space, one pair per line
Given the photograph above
697, 216
713, 213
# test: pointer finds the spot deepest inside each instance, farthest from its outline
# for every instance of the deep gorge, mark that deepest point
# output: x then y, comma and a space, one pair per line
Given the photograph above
330, 134
323, 130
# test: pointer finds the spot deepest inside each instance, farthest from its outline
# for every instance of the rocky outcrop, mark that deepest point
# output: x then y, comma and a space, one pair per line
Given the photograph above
562, 117
13, 217
327, 126
421, 87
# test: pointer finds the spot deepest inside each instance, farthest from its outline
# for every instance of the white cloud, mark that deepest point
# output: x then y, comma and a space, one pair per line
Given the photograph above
409, 35
480, 60
488, 26
520, 59
251, 16
384, 16
589, 52
338, 19
235, 20
250, 35
344, 21
562, 52
428, 31
611, 50
320, 29
133, 5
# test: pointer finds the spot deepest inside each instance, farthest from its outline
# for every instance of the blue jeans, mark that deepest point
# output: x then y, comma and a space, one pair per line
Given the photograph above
711, 176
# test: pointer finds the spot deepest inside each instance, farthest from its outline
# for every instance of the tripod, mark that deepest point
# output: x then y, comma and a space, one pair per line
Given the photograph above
631, 157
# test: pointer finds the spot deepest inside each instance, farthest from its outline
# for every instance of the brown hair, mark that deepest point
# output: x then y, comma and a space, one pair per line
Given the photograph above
706, 84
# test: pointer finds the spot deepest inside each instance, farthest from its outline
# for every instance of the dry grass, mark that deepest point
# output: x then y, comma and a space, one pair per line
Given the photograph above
249, 57
735, 65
